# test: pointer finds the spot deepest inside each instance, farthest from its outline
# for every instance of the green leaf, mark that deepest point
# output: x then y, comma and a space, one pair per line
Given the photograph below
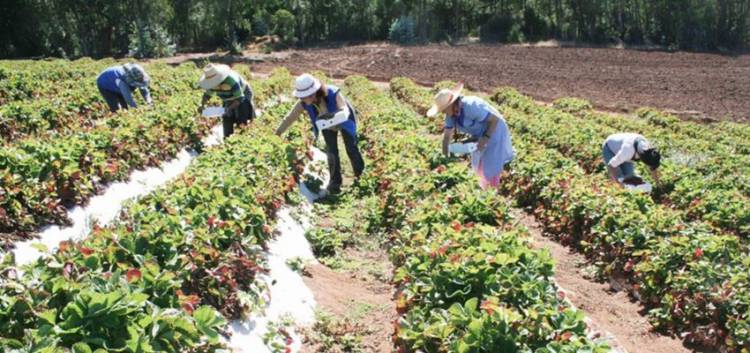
48, 316
81, 347
208, 320
472, 305
475, 327
40, 247
137, 343
463, 347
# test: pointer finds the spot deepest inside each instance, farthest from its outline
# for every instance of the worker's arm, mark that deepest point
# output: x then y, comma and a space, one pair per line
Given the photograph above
339, 116
126, 93
447, 138
343, 107
612, 173
146, 94
237, 93
655, 175
291, 117
492, 121
625, 154
204, 100
235, 103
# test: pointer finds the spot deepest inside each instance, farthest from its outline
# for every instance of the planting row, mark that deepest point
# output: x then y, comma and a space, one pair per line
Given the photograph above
693, 278
81, 107
467, 278
169, 272
703, 193
42, 177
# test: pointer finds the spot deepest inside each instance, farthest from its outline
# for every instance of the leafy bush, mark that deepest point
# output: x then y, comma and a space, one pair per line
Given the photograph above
402, 30
283, 25
151, 41
496, 29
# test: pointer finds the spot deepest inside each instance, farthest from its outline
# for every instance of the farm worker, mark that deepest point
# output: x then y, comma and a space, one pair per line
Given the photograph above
620, 150
474, 116
319, 100
234, 91
116, 84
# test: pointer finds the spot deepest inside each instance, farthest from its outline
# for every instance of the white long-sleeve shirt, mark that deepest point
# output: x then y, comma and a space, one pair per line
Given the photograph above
624, 146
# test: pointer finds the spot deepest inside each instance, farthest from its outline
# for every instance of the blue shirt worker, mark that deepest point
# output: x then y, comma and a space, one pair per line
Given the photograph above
116, 85
475, 117
325, 102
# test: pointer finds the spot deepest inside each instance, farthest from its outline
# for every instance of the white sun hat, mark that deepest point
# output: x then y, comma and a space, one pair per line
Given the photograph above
444, 99
306, 85
213, 75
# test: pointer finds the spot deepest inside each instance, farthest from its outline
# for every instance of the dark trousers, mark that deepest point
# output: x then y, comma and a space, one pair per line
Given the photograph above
114, 100
241, 115
334, 161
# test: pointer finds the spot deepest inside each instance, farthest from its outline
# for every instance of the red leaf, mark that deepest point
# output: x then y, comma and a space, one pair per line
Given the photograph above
698, 253
211, 221
456, 226
629, 265
188, 302
85, 251
488, 306
133, 275
64, 246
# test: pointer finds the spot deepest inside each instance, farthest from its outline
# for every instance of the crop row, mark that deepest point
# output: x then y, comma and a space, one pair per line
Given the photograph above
466, 276
175, 265
693, 278
41, 177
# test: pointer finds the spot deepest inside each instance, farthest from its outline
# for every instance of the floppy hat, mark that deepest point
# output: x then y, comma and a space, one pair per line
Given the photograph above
444, 99
213, 75
135, 75
306, 85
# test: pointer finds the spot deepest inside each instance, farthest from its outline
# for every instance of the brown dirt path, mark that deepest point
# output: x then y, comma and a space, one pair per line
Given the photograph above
611, 312
357, 297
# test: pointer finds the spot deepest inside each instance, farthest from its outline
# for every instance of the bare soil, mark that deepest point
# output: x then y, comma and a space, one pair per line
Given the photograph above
357, 297
610, 310
697, 85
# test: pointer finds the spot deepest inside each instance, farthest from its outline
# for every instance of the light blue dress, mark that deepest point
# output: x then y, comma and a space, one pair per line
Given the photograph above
473, 119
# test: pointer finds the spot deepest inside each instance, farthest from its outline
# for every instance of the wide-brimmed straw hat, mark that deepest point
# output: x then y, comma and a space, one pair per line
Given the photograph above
306, 85
444, 99
213, 75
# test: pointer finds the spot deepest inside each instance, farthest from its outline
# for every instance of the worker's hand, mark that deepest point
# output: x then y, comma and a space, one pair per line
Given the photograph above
482, 143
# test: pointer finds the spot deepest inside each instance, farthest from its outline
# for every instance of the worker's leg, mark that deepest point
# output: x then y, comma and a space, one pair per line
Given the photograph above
334, 161
110, 98
350, 142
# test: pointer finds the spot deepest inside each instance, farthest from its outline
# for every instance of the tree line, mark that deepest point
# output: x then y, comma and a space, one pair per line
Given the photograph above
148, 28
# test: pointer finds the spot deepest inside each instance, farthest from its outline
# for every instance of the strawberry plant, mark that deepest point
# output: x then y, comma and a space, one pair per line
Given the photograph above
683, 269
